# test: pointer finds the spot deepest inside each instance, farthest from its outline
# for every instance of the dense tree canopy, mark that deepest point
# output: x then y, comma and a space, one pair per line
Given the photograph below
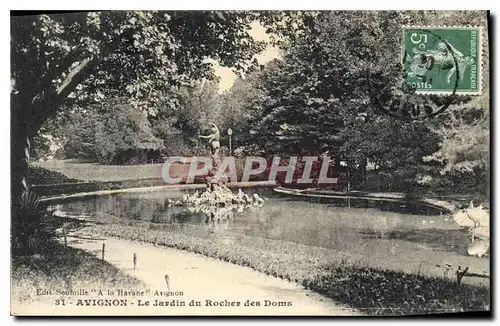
73, 60
111, 131
337, 87
143, 55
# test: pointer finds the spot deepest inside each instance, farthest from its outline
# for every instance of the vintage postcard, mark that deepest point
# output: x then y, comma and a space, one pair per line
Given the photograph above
250, 163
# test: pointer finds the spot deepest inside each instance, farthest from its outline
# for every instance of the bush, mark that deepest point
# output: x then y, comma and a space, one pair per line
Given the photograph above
39, 176
136, 156
121, 134
33, 229
179, 146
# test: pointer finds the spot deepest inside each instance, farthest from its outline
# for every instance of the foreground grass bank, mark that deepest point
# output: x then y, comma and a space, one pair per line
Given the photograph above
64, 269
372, 291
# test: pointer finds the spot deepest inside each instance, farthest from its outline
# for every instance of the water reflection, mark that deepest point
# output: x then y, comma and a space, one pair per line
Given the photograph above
317, 222
389, 234
156, 209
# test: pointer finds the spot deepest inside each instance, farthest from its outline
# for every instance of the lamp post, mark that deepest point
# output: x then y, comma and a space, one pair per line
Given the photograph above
230, 132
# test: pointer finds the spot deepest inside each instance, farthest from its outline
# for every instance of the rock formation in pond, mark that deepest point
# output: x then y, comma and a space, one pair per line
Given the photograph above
218, 203
219, 195
216, 193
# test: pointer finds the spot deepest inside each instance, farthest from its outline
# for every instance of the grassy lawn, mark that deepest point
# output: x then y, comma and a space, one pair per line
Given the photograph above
373, 291
82, 171
64, 270
56, 177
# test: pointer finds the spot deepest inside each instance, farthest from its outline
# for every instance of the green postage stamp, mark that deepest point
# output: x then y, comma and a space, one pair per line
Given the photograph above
442, 60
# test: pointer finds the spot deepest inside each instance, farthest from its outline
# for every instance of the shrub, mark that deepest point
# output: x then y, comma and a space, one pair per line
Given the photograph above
120, 134
39, 176
33, 229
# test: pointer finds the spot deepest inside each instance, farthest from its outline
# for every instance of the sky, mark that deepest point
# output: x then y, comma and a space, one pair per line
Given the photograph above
227, 77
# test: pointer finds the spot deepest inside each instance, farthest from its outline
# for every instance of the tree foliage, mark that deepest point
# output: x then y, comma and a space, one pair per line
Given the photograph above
141, 54
339, 88
179, 126
239, 107
63, 61
117, 132
464, 138
464, 144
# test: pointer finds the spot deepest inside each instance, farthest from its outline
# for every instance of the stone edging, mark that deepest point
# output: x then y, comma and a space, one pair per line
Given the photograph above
449, 208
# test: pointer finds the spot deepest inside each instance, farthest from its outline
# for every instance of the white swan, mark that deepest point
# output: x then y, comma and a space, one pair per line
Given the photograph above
479, 215
462, 219
480, 232
478, 248
477, 220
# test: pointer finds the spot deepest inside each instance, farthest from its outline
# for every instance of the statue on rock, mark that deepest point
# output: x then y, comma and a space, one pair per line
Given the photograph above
214, 141
217, 201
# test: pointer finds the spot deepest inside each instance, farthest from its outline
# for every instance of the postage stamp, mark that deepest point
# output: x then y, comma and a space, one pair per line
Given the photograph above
442, 60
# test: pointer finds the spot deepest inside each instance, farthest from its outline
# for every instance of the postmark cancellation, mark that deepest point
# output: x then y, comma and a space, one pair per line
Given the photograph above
443, 60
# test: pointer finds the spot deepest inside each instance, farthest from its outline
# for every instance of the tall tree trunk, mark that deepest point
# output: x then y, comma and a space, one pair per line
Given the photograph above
20, 147
26, 120
362, 171
20, 162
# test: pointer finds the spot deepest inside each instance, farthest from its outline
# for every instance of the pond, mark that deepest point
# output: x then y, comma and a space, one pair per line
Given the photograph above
387, 234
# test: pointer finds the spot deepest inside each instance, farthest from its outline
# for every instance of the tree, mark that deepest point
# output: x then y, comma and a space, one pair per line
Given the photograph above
198, 107
239, 107
395, 148
360, 54
179, 126
115, 133
123, 134
339, 88
464, 143
59, 60
79, 135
